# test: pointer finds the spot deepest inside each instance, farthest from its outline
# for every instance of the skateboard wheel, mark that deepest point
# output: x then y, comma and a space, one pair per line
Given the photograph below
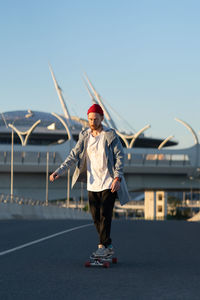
106, 264
87, 264
114, 260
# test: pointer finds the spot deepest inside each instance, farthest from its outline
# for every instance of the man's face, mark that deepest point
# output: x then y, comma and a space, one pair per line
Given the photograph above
95, 120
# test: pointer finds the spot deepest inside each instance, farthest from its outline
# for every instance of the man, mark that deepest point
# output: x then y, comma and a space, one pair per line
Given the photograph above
99, 157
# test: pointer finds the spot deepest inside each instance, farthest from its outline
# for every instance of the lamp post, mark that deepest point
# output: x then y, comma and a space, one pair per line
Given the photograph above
68, 187
11, 162
23, 143
191, 178
133, 138
68, 130
47, 179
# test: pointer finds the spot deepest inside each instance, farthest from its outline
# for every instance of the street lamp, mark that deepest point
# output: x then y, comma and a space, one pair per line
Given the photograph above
133, 138
69, 133
47, 178
24, 141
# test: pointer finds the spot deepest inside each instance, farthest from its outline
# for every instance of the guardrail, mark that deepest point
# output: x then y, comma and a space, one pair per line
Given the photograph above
40, 158
189, 203
15, 207
6, 198
158, 159
30, 157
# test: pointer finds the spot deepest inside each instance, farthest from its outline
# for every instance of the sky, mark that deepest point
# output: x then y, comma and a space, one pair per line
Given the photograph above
143, 57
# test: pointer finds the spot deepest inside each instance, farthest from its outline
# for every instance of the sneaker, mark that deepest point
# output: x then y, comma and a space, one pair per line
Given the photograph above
101, 251
110, 249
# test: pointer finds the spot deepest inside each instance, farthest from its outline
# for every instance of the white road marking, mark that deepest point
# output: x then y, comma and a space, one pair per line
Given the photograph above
43, 239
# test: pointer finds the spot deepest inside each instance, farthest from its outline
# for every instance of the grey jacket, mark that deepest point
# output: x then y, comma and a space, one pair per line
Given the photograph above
115, 160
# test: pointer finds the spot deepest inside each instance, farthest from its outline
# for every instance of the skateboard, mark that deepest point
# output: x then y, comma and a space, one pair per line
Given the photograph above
104, 262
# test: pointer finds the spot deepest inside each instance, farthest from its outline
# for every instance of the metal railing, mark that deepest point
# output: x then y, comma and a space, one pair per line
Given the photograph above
22, 157
158, 159
7, 198
14, 199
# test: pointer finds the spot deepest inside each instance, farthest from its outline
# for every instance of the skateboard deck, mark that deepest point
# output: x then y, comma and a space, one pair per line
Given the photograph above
104, 262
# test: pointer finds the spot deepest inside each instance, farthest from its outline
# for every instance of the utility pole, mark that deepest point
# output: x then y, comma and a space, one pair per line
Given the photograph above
47, 179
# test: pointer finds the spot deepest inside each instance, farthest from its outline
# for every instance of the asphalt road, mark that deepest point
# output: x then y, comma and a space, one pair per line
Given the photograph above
157, 260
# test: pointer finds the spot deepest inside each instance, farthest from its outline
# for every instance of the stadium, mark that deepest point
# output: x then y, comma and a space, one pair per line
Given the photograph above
34, 143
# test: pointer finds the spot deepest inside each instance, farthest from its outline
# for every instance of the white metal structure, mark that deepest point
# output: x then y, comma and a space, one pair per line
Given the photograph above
145, 168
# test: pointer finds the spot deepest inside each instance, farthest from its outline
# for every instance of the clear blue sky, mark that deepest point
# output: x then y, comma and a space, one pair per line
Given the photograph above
142, 56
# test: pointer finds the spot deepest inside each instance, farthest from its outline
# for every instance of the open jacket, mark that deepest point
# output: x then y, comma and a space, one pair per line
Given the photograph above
114, 155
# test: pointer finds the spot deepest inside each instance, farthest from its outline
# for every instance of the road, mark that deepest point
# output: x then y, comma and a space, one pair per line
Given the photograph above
157, 260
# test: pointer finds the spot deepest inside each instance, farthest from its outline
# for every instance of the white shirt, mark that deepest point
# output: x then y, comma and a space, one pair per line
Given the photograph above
98, 177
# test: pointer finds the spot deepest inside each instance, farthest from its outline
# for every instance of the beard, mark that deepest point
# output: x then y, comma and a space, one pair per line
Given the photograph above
95, 127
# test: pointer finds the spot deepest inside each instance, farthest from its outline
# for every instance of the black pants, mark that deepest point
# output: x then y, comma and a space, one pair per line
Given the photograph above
101, 207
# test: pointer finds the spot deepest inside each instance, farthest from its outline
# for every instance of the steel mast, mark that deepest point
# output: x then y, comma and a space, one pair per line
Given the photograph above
60, 96
100, 101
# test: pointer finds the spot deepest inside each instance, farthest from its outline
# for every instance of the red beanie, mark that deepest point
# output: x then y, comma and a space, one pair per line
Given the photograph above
96, 108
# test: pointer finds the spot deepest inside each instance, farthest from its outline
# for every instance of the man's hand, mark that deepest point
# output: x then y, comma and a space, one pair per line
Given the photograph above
53, 176
115, 186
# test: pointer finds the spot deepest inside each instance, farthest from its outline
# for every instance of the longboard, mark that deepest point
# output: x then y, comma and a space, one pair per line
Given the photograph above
101, 261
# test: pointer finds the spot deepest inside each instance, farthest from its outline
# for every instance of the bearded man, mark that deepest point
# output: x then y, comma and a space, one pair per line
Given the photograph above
99, 160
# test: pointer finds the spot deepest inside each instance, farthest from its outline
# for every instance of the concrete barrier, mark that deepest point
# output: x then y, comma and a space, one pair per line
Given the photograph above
16, 211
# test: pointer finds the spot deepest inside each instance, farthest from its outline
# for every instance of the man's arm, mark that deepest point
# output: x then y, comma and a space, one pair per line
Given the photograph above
71, 159
115, 186
53, 176
118, 155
